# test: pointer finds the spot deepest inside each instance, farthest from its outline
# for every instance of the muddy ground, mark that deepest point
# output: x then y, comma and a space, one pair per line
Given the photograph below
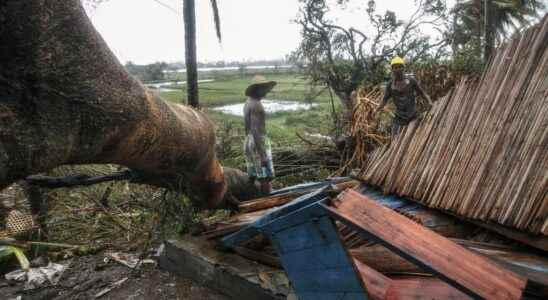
89, 276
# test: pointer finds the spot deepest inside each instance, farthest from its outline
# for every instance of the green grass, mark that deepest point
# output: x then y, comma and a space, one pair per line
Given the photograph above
282, 127
230, 90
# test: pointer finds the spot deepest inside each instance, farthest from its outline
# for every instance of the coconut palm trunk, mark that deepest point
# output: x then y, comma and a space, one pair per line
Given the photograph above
189, 15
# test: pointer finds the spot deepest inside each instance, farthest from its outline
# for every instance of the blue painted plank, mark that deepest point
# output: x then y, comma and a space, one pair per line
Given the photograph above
313, 256
328, 257
327, 281
312, 212
310, 249
355, 296
332, 296
306, 235
256, 227
295, 205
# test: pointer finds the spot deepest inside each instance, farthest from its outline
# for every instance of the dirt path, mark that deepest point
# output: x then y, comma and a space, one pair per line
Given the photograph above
87, 277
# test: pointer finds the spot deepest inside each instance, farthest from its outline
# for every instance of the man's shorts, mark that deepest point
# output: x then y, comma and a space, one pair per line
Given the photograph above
253, 163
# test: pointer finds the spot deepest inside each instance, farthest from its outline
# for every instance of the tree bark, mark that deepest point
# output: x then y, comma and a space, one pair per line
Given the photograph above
189, 16
65, 99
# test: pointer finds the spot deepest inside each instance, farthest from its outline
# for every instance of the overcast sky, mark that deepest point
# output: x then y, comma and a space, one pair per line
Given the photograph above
146, 31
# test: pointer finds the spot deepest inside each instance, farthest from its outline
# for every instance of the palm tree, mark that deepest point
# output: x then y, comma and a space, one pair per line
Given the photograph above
190, 47
496, 18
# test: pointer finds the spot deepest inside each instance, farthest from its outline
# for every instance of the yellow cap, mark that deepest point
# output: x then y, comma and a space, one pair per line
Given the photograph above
397, 61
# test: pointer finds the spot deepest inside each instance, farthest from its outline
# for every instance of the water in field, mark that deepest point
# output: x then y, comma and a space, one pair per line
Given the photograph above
270, 106
165, 86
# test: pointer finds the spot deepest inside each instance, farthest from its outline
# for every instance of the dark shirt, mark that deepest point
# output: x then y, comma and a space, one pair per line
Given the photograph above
404, 99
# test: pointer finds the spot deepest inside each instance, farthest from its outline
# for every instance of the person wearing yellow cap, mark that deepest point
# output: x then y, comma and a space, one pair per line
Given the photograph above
402, 90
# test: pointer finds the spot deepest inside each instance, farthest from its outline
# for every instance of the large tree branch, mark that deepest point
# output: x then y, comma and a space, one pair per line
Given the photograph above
67, 100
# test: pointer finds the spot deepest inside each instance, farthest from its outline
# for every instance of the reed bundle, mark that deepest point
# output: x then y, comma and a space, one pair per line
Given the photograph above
364, 128
482, 151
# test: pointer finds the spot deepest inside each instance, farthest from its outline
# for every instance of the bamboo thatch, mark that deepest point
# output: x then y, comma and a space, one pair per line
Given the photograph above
482, 151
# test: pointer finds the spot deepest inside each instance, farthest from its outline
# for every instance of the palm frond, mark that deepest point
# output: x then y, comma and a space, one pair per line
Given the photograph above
216, 19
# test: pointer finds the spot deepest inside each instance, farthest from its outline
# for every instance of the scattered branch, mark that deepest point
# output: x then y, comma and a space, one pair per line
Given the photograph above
78, 179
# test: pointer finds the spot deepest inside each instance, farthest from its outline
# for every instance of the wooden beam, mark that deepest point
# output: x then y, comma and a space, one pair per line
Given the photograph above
471, 273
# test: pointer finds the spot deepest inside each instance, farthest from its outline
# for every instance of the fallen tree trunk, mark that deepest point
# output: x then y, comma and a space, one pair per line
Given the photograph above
65, 99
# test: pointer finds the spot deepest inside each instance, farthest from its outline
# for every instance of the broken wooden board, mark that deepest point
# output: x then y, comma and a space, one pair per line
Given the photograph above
283, 198
381, 287
227, 273
311, 186
469, 272
253, 229
529, 265
268, 202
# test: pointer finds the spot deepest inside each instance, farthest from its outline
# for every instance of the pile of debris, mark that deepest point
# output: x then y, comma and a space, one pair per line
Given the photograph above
398, 246
346, 239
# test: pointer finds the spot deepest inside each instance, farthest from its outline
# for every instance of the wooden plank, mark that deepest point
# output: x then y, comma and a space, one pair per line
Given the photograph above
382, 287
469, 272
281, 199
423, 288
268, 202
375, 283
526, 264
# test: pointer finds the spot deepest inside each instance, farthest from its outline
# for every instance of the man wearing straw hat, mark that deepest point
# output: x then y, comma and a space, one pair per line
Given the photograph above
257, 149
402, 89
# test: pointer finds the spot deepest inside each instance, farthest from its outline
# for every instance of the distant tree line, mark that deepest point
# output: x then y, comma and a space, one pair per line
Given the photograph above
150, 72
156, 71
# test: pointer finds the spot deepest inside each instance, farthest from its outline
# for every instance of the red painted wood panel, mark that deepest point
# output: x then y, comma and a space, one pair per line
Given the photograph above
467, 271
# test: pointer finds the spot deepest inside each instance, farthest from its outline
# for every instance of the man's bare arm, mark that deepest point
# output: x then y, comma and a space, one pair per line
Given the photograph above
387, 95
422, 92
